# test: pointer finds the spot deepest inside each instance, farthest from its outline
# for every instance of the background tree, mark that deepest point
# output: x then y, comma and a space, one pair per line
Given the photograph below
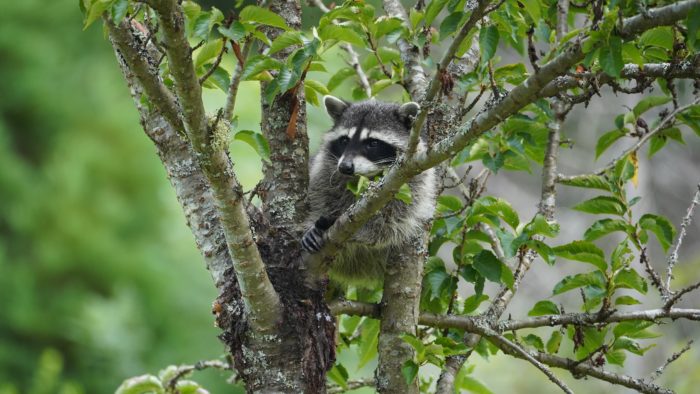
485, 233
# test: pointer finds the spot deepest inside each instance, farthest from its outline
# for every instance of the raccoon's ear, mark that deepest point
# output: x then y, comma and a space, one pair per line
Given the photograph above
408, 112
335, 106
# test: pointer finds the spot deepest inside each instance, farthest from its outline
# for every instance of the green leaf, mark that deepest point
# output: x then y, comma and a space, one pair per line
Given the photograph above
257, 64
691, 117
582, 251
499, 207
602, 205
661, 37
626, 168
386, 25
342, 33
311, 96
634, 329
436, 280
540, 226
285, 40
661, 227
316, 85
141, 384
448, 203
606, 140
632, 346
256, 141
95, 11
404, 194
611, 57
338, 78
465, 382
693, 24
358, 185
627, 300
657, 142
488, 265
533, 9
339, 375
415, 343
472, 302
511, 73
507, 276
381, 85
234, 32
488, 42
409, 370
648, 103
554, 342
450, 23
262, 16
543, 308
433, 9
543, 250
534, 341
595, 279
220, 78
630, 279
208, 52
368, 343
616, 357
119, 10
588, 182
203, 24
606, 226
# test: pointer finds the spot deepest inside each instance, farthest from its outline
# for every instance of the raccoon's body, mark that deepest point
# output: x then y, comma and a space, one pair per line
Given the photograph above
366, 138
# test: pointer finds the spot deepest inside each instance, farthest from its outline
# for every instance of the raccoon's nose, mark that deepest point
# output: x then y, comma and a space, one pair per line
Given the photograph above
346, 167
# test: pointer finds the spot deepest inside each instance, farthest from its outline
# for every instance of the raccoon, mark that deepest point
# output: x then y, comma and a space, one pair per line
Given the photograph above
366, 138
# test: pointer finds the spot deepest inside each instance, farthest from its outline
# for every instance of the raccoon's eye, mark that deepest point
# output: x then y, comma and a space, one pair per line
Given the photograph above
373, 143
343, 140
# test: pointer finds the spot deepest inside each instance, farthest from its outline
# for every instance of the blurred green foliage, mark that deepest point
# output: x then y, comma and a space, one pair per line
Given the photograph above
99, 275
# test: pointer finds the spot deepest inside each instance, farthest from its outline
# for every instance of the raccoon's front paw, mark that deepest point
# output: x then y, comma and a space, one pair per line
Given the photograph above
313, 239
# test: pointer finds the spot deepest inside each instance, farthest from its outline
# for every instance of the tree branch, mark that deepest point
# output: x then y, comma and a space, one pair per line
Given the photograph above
188, 181
587, 319
684, 69
283, 124
472, 323
582, 369
435, 84
261, 300
144, 71
417, 80
503, 343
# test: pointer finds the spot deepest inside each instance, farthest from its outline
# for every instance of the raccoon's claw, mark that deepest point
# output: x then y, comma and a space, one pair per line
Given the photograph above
313, 240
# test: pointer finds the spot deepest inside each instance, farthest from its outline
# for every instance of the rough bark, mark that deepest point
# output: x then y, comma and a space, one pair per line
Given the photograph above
294, 352
399, 315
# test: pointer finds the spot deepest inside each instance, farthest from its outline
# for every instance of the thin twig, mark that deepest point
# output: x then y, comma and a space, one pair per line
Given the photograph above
673, 257
664, 124
504, 342
678, 295
350, 385
184, 370
236, 81
675, 356
216, 63
654, 276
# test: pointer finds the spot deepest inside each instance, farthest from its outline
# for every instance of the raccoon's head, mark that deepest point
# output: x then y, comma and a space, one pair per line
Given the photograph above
367, 136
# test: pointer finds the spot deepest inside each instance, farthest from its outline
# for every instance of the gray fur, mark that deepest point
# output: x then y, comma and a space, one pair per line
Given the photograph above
363, 258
